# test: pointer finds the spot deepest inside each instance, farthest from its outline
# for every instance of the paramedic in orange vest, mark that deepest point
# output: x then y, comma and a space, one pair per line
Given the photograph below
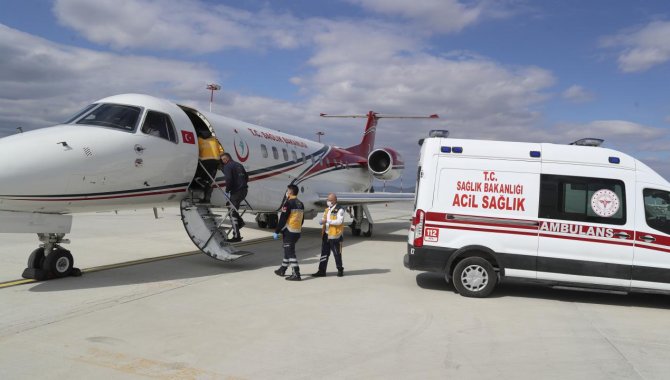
332, 229
290, 224
209, 152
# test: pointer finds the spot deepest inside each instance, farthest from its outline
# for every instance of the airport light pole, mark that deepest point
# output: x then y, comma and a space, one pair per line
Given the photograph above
212, 87
319, 134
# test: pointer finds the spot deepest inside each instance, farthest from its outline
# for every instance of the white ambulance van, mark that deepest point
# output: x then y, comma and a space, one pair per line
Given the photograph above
572, 215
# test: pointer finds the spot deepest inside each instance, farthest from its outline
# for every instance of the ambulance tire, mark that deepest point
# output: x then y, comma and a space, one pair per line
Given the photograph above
474, 277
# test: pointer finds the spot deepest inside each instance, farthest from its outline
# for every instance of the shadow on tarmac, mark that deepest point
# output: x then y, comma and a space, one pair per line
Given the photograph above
435, 281
266, 255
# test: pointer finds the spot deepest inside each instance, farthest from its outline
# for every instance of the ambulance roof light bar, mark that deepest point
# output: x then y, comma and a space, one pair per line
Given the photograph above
438, 133
589, 141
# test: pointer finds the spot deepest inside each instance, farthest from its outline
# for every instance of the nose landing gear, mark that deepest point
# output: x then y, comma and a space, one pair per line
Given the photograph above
50, 260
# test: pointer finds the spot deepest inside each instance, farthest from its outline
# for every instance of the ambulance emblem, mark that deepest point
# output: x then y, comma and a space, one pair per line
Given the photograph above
241, 149
605, 203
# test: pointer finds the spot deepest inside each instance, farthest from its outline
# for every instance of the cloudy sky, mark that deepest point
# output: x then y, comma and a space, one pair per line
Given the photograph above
518, 70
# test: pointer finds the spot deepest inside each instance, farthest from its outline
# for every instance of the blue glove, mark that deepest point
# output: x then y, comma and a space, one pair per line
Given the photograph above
275, 236
320, 222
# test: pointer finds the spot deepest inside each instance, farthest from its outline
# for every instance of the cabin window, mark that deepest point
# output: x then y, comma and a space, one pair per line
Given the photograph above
160, 125
264, 150
285, 152
113, 116
295, 156
575, 198
275, 153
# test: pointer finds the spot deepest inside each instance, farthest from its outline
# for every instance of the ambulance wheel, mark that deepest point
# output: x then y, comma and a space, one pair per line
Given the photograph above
474, 277
59, 263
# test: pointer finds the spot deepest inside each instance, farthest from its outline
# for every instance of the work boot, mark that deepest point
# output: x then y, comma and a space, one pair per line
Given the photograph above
294, 277
281, 271
340, 272
319, 274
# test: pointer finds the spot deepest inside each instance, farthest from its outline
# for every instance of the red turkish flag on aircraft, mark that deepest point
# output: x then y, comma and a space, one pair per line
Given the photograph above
187, 137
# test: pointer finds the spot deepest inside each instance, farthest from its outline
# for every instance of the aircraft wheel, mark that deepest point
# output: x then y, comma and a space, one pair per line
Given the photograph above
368, 233
59, 263
474, 277
262, 224
36, 259
355, 231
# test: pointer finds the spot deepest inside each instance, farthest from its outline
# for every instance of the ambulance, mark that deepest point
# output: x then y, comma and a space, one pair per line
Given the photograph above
576, 215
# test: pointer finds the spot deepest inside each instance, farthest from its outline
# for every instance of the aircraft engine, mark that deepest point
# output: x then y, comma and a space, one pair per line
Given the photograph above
385, 164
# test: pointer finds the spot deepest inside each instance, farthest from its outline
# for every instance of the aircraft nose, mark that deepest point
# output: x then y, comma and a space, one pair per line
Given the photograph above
31, 164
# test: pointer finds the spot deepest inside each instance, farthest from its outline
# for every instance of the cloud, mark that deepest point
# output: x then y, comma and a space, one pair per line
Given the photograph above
191, 26
477, 97
643, 47
619, 134
42, 83
577, 94
440, 15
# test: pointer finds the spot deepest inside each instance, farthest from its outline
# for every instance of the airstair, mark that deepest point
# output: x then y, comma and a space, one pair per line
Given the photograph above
209, 230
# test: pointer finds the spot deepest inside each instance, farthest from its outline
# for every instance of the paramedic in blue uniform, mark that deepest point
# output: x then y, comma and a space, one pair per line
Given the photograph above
290, 225
236, 185
332, 229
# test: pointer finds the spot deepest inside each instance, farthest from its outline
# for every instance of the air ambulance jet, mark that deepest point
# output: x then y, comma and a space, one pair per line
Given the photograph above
133, 151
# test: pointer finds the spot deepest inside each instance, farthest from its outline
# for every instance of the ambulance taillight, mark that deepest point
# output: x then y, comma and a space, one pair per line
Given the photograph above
419, 220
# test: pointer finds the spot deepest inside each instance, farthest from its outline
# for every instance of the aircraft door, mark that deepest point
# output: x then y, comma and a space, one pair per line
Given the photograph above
166, 150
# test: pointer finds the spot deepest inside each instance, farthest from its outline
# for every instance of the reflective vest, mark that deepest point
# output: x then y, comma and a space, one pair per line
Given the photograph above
209, 148
295, 210
334, 232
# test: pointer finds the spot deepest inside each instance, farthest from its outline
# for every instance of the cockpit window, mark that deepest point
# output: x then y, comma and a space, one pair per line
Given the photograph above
78, 114
113, 116
160, 125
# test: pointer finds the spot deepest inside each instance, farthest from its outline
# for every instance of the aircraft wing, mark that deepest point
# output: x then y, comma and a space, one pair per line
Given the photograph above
351, 199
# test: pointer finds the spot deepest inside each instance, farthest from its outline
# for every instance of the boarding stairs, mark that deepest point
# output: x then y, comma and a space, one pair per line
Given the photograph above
209, 227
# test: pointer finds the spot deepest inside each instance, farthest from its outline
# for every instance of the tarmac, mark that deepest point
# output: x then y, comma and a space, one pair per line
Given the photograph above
148, 306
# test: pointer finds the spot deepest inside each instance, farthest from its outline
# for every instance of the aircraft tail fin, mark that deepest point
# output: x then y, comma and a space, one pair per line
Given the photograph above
368, 142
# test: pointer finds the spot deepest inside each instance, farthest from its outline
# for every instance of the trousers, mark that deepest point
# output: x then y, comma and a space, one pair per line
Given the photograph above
328, 246
289, 240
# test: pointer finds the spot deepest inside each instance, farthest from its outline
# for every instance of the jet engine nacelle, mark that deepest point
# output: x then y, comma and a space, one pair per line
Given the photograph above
385, 164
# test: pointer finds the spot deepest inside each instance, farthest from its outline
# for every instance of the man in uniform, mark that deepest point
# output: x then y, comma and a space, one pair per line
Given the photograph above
290, 224
332, 229
236, 185
209, 151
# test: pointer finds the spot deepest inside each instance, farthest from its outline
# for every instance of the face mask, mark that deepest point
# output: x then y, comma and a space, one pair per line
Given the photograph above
329, 203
